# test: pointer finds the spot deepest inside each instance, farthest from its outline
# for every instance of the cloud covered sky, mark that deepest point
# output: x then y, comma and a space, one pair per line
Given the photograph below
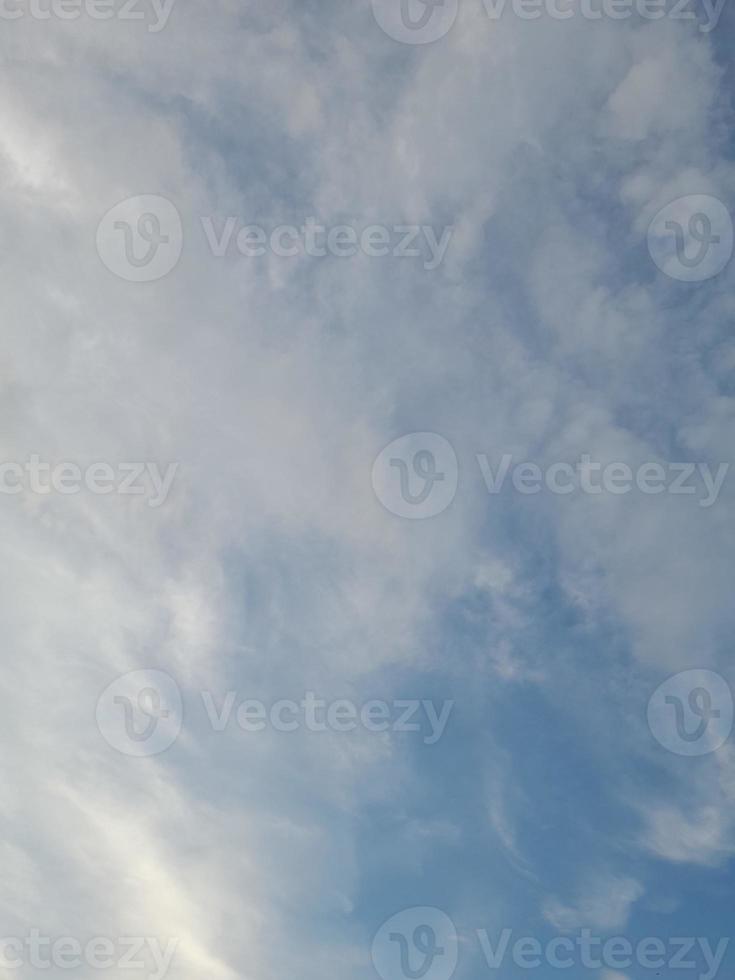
547, 331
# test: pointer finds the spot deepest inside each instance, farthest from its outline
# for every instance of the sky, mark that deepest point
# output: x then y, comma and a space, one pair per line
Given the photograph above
368, 388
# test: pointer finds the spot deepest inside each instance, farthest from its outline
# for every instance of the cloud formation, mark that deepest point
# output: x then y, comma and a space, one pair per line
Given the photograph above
545, 331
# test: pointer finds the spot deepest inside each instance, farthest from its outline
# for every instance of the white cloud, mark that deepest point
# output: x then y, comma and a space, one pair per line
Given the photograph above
603, 903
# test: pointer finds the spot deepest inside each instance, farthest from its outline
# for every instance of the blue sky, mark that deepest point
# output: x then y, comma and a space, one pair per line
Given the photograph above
276, 565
